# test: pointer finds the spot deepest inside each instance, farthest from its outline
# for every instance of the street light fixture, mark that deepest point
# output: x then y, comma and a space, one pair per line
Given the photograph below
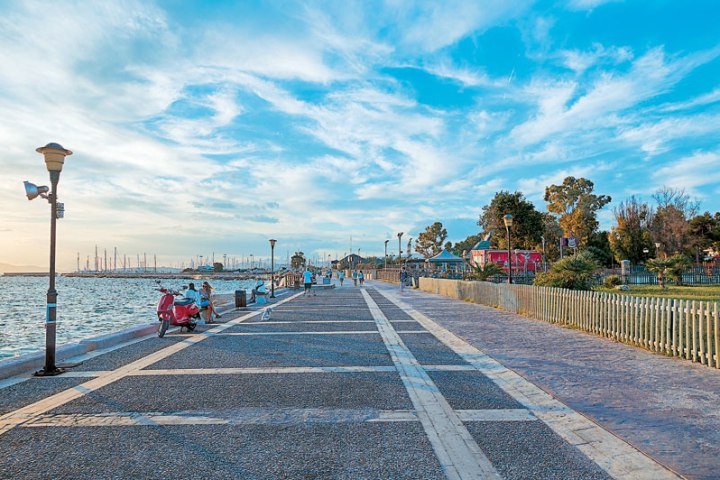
508, 219
386, 242
54, 155
399, 235
272, 267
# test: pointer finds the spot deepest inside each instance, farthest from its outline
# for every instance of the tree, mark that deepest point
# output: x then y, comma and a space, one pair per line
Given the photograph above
576, 206
630, 236
297, 261
527, 228
671, 268
553, 235
574, 272
488, 270
599, 247
705, 232
670, 227
465, 245
218, 267
429, 243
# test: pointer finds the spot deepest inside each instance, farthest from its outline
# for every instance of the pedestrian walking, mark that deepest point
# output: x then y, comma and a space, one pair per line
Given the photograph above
341, 276
355, 275
361, 277
307, 281
403, 278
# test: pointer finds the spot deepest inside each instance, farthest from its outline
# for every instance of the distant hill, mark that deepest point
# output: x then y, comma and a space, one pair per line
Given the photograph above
8, 268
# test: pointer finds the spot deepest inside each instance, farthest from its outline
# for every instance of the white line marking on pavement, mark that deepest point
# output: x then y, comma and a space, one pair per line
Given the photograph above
17, 417
263, 370
344, 332
321, 321
260, 416
618, 458
456, 450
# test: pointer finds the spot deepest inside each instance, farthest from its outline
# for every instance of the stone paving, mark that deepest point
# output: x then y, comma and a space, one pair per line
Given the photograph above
665, 407
351, 383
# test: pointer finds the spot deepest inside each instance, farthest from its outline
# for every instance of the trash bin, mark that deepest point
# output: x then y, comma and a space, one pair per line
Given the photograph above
240, 298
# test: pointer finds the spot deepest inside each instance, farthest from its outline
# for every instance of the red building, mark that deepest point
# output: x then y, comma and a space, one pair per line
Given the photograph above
522, 260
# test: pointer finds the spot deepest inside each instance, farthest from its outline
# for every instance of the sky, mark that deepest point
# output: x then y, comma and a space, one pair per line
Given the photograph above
208, 127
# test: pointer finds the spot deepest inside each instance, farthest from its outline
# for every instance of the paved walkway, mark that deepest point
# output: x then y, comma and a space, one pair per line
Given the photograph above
351, 383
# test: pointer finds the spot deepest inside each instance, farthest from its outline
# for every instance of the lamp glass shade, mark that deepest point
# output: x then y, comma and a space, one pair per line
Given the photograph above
272, 242
32, 190
54, 155
508, 219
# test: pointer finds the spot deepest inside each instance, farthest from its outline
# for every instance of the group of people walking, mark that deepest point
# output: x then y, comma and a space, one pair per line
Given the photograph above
357, 276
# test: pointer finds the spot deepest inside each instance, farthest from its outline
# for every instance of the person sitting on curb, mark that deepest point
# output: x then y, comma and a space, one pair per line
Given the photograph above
207, 303
194, 295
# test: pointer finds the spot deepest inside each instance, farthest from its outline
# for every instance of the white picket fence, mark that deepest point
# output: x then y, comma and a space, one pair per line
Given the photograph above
687, 329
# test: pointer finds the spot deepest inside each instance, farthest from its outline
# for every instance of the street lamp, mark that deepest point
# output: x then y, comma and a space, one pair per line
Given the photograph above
508, 219
400, 246
657, 249
54, 159
386, 242
272, 267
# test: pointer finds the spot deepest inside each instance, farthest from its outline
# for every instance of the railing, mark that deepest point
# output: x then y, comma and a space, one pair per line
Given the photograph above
688, 329
389, 275
291, 280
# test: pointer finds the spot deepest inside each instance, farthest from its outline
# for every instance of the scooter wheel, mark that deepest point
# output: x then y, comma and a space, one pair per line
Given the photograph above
163, 328
191, 326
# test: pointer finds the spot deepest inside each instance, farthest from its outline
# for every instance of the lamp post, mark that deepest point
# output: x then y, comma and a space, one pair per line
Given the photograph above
272, 267
399, 235
508, 219
54, 155
386, 242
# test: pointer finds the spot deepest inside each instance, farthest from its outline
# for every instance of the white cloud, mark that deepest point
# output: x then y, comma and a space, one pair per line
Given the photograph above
691, 172
587, 4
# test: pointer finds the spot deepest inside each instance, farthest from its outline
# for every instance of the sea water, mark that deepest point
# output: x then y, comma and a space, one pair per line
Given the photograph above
86, 307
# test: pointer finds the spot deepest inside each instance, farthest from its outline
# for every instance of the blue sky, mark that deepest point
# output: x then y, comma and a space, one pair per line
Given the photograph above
203, 127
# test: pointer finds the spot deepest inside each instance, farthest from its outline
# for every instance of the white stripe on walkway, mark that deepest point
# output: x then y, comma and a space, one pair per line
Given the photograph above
456, 450
261, 416
262, 370
344, 332
285, 322
618, 458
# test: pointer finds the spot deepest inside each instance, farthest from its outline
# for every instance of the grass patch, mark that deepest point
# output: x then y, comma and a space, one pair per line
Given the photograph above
705, 293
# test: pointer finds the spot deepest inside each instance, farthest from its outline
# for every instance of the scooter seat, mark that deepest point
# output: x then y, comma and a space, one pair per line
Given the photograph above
183, 302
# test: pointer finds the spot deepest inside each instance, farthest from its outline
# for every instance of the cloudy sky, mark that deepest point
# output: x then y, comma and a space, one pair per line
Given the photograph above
209, 126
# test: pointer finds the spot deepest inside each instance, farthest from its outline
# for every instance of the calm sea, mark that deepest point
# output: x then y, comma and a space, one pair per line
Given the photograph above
87, 307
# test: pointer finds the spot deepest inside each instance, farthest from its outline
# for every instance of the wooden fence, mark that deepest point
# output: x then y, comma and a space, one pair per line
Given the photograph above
686, 329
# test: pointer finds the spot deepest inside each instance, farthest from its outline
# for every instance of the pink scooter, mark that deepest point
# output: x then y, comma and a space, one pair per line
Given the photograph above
181, 312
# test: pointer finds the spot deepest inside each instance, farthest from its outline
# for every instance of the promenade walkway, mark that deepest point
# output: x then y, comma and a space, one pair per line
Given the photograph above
351, 383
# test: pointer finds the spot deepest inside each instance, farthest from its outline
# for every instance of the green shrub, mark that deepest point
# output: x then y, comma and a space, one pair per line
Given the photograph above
575, 273
612, 281
487, 271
